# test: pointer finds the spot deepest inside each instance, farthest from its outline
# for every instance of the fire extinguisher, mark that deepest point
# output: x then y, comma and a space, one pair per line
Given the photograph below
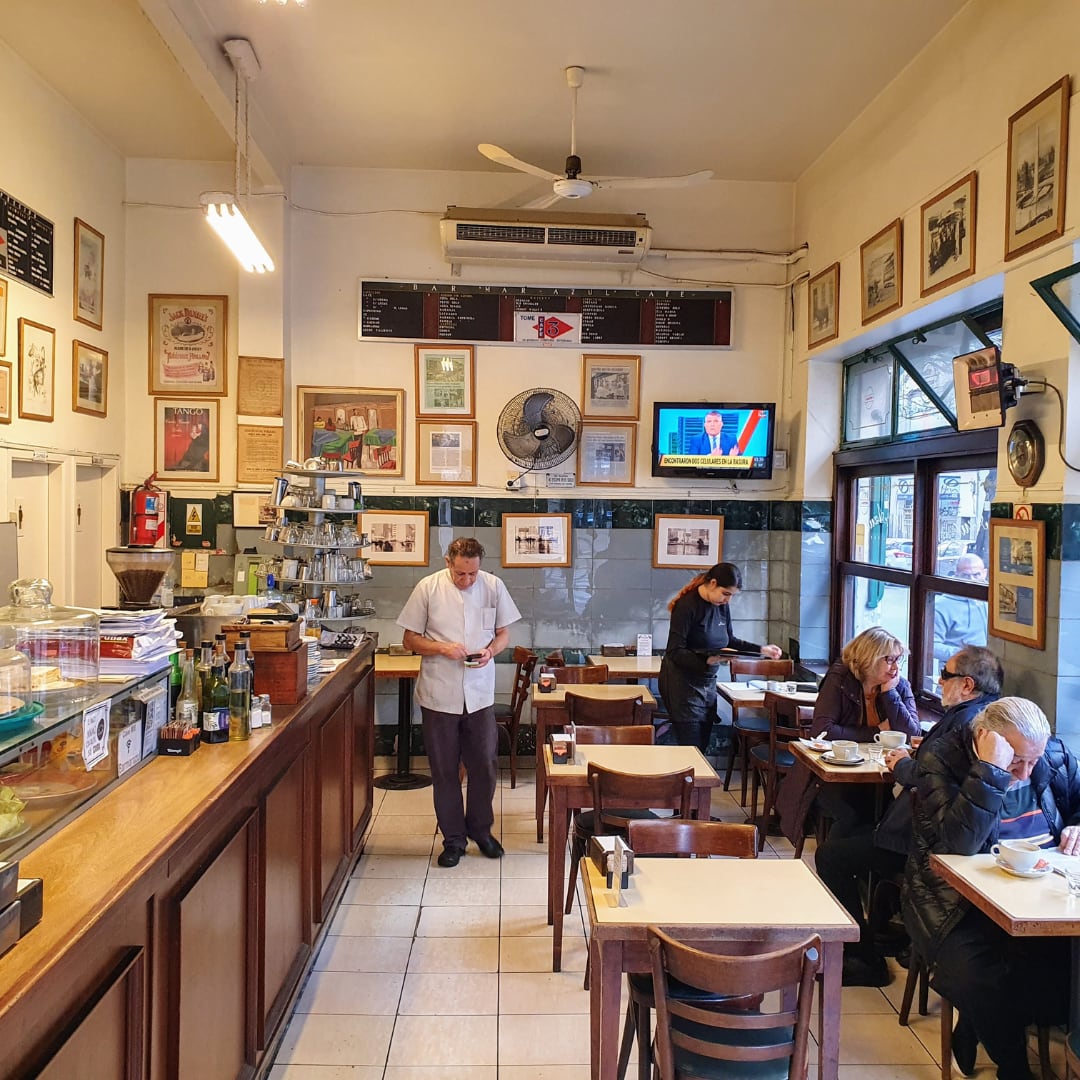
147, 514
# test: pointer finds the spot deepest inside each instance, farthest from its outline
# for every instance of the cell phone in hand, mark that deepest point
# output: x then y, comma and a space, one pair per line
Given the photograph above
473, 659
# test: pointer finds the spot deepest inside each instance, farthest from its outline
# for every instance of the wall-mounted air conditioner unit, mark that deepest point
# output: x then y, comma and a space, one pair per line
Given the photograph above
532, 236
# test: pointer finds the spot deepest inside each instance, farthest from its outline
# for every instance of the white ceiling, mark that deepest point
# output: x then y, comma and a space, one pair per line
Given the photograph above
752, 89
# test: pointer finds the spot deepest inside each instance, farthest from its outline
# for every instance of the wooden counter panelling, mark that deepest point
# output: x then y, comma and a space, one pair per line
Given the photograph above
203, 869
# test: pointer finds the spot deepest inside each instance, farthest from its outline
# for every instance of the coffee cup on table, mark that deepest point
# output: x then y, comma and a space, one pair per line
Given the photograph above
891, 740
1019, 854
845, 750
774, 686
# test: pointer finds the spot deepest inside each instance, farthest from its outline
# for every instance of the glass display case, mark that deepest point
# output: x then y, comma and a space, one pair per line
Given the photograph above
44, 779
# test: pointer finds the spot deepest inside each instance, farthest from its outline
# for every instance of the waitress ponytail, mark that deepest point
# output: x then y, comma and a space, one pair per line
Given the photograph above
725, 574
692, 584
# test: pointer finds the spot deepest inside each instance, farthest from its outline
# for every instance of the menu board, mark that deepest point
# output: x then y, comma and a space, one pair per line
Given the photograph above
26, 245
443, 311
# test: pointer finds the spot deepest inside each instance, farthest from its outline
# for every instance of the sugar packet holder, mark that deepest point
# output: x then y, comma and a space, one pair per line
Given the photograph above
602, 851
562, 749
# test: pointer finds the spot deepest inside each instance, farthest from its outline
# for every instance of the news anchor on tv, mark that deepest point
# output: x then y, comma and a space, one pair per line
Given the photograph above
714, 441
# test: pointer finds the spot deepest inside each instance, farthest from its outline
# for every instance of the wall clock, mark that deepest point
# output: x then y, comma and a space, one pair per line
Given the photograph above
1026, 453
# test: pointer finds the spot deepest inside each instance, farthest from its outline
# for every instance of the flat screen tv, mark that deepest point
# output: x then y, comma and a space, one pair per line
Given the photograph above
718, 440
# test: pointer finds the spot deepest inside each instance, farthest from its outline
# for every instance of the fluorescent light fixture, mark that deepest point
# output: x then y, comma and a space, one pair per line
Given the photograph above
228, 221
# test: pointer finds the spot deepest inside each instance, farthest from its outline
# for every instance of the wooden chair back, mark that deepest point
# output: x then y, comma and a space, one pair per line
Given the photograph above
625, 735
685, 1026
787, 720
555, 658
769, 669
525, 660
577, 673
613, 791
668, 836
586, 710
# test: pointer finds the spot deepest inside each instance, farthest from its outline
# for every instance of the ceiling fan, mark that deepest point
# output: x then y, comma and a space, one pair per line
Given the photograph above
573, 185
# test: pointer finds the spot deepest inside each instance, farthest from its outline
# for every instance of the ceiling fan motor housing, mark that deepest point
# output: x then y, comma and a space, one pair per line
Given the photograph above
572, 188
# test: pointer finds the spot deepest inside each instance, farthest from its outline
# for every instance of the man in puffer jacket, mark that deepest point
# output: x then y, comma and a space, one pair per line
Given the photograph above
1004, 779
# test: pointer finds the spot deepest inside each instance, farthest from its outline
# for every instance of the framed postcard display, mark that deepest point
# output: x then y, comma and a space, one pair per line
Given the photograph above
536, 539
89, 379
947, 250
186, 435
606, 454
260, 386
5, 393
1018, 581
1035, 178
445, 380
88, 289
823, 307
610, 387
187, 345
37, 370
397, 537
882, 272
360, 427
695, 543
3, 316
446, 451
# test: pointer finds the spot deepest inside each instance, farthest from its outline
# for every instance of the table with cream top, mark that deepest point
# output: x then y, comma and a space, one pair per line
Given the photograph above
405, 669
766, 902
867, 771
747, 695
549, 712
569, 790
628, 668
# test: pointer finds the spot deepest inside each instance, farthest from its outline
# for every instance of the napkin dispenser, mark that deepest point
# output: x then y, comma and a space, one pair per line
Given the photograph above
562, 749
545, 682
602, 850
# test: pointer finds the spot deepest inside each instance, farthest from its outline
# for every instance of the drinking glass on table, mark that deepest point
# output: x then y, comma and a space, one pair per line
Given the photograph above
877, 754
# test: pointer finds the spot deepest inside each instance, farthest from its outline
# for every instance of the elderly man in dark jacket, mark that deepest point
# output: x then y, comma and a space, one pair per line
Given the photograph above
1004, 779
970, 680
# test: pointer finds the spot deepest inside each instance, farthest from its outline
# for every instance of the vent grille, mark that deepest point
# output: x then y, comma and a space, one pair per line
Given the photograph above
505, 234
585, 237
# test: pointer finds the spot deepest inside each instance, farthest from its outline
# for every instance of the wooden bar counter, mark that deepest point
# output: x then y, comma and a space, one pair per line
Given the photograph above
181, 910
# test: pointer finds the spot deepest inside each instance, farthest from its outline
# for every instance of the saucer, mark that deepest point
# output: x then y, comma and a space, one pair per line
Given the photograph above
1034, 873
841, 761
816, 746
902, 746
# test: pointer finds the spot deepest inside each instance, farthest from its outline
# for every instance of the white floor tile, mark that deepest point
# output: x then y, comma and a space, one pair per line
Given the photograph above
376, 892
437, 994
324, 1039
459, 922
544, 1040
448, 1072
534, 953
391, 866
351, 993
445, 1041
525, 993
455, 954
444, 890
359, 921
326, 1072
526, 865
344, 952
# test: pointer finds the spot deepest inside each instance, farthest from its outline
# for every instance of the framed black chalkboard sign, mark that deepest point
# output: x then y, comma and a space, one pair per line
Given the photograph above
26, 244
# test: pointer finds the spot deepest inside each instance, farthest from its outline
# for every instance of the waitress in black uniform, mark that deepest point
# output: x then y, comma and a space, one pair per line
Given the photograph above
700, 632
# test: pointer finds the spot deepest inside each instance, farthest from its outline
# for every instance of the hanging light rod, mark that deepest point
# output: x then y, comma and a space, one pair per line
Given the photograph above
228, 221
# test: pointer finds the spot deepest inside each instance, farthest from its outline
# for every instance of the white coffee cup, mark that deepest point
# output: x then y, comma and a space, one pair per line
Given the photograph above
1019, 854
844, 750
774, 686
891, 740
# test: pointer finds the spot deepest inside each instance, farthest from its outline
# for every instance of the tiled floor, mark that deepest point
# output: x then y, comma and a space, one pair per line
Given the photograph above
433, 974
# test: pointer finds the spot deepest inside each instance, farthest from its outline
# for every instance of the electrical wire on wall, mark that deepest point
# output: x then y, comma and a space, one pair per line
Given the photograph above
1061, 420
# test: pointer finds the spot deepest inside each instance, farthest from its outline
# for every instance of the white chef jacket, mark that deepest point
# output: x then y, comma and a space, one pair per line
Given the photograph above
438, 609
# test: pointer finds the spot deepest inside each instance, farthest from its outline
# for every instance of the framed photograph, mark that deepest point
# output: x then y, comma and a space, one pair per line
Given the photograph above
1035, 177
881, 263
253, 509
187, 345
260, 451
3, 316
611, 387
397, 537
360, 427
88, 290
5, 393
445, 380
260, 386
947, 251
536, 539
823, 307
446, 452
89, 379
186, 437
695, 543
1018, 581
607, 453
37, 370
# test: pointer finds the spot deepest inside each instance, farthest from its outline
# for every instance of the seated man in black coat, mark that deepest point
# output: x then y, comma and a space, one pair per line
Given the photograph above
970, 680
1006, 778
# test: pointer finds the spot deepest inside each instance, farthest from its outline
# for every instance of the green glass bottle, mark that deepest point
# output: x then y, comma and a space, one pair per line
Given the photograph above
215, 703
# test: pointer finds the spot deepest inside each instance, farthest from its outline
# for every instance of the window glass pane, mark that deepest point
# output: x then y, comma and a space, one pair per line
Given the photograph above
868, 400
956, 621
915, 411
931, 354
962, 522
875, 603
883, 521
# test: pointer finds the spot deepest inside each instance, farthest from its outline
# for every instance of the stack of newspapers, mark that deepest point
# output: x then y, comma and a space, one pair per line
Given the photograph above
136, 642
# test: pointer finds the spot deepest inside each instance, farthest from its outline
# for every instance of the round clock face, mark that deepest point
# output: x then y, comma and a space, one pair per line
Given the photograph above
1025, 452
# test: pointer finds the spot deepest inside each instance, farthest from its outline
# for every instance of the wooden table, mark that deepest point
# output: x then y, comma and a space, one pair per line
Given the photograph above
741, 695
767, 901
570, 791
868, 772
405, 669
549, 711
628, 668
1022, 907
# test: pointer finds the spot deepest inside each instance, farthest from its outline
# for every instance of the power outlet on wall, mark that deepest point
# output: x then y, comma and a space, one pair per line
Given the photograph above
779, 459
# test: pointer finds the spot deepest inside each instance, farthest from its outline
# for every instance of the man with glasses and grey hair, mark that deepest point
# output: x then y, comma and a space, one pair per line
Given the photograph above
960, 620
1005, 778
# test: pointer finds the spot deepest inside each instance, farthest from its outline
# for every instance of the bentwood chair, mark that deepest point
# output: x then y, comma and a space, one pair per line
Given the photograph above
615, 734
595, 711
691, 839
749, 731
772, 761
508, 717
703, 1039
579, 674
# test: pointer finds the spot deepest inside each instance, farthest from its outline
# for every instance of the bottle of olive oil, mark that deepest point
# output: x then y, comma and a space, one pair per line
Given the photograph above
239, 695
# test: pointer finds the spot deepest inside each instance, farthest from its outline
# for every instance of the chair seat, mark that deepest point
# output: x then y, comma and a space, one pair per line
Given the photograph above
785, 759
693, 1065
641, 987
585, 822
755, 725
503, 711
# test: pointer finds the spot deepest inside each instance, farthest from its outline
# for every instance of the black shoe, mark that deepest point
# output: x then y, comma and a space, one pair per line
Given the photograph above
490, 847
451, 856
903, 957
965, 1045
858, 971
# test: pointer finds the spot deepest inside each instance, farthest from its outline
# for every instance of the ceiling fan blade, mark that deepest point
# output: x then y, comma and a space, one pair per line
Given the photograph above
504, 157
541, 203
689, 180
